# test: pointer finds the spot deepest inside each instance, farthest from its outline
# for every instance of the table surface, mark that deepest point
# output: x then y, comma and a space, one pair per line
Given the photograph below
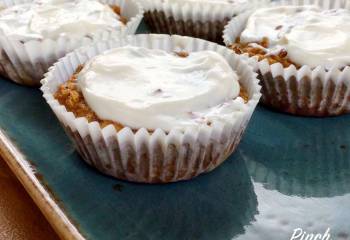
20, 218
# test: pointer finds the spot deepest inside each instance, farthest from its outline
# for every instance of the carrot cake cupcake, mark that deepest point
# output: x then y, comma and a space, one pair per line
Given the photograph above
162, 113
303, 54
197, 18
35, 34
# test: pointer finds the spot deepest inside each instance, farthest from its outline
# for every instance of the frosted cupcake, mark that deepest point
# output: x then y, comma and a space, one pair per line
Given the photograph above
303, 53
35, 34
197, 18
161, 109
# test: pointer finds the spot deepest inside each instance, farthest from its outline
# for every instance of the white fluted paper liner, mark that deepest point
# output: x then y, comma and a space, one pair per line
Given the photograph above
158, 156
197, 19
25, 62
306, 91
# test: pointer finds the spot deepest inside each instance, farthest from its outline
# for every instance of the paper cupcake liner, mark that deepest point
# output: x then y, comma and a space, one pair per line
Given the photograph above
195, 19
306, 91
151, 157
26, 62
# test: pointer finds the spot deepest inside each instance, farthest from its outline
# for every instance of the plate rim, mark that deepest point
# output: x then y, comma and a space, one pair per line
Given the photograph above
25, 173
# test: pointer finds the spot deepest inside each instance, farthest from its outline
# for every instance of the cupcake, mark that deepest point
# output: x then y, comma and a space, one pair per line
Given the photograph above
153, 108
196, 18
35, 34
302, 55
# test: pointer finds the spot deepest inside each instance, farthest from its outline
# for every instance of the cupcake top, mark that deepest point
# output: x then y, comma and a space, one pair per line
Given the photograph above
309, 35
148, 88
52, 19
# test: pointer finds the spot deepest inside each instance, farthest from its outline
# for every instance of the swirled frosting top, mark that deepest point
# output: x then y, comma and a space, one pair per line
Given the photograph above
148, 88
310, 35
52, 19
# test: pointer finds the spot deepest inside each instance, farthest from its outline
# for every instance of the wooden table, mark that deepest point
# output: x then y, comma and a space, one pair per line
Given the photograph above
20, 219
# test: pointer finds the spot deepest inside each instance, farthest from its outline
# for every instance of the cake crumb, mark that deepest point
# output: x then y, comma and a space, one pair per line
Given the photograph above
261, 52
182, 54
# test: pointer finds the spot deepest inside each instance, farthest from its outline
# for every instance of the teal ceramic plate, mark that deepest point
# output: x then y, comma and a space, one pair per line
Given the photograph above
289, 175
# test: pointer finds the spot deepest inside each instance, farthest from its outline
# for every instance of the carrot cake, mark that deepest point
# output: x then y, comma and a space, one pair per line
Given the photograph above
303, 55
144, 88
299, 35
196, 18
153, 108
51, 19
35, 34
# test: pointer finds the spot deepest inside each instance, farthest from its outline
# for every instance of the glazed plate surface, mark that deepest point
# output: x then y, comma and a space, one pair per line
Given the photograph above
288, 173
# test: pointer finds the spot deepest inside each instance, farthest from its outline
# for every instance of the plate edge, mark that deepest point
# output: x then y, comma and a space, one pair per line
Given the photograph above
21, 168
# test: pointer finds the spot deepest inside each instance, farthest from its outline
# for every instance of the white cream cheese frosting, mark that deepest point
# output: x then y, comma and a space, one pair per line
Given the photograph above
52, 19
144, 88
311, 36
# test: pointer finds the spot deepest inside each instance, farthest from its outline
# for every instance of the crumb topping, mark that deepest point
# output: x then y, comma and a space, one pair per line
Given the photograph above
259, 49
117, 10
